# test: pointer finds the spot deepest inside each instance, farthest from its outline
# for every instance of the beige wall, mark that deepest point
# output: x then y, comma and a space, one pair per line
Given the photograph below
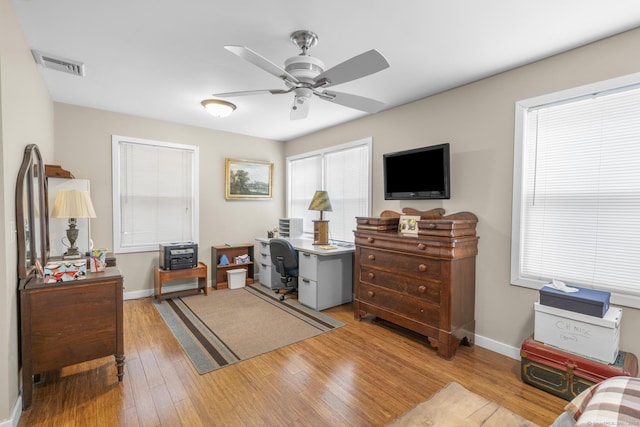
26, 117
83, 146
478, 121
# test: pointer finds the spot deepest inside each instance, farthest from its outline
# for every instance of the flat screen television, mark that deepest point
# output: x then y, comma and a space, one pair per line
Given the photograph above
421, 173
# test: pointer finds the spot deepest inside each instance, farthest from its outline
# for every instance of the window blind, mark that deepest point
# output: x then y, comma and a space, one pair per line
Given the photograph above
344, 171
579, 213
155, 197
305, 177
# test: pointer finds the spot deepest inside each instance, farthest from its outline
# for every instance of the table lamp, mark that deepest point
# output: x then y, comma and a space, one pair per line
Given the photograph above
73, 204
320, 202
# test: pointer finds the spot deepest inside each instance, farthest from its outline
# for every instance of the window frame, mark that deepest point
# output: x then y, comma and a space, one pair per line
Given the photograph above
116, 143
618, 296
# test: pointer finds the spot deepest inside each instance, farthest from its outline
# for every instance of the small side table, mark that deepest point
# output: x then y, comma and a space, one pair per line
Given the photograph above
163, 276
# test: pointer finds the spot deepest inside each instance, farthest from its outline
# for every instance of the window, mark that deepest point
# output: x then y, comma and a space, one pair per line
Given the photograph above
155, 194
344, 171
576, 200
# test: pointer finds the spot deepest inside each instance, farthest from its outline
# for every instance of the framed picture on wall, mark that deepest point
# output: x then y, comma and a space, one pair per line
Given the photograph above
248, 179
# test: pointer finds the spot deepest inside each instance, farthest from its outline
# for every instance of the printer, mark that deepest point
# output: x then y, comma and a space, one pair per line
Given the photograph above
178, 256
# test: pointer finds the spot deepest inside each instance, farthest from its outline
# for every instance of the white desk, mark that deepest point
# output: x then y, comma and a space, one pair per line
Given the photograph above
325, 275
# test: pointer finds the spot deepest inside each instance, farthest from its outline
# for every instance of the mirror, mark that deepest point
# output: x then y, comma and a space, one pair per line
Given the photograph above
32, 222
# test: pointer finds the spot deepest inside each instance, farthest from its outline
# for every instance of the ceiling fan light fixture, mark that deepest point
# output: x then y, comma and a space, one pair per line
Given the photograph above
218, 107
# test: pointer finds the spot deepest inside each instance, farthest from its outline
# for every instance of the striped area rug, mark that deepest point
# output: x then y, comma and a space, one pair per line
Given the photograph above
231, 325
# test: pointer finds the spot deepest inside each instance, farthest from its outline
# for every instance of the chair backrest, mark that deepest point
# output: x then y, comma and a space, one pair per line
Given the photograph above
283, 248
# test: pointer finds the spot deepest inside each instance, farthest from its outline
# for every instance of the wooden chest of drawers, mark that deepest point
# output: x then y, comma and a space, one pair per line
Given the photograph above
423, 282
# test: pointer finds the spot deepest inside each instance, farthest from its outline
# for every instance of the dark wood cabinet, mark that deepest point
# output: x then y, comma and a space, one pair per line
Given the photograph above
70, 322
423, 282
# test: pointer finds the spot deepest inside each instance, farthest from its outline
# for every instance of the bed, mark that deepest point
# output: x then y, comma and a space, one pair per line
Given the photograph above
613, 402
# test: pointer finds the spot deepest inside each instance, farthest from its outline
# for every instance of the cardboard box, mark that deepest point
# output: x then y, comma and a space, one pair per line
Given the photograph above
589, 336
65, 271
585, 301
566, 374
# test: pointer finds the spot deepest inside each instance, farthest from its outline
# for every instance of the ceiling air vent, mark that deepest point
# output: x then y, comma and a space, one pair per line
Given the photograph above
57, 63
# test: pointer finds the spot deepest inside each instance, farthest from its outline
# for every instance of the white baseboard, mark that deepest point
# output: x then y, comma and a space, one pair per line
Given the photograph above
165, 288
15, 414
498, 347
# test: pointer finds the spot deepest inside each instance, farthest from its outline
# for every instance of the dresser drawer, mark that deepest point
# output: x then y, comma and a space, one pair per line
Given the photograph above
431, 246
427, 289
263, 247
308, 293
308, 265
412, 308
414, 265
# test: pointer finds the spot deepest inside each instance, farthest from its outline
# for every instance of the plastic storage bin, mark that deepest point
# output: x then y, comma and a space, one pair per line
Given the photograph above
236, 278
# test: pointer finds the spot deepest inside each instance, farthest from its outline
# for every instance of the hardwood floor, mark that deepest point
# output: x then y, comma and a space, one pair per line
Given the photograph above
364, 374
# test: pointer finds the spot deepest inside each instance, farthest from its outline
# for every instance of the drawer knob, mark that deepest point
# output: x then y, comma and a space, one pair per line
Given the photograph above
371, 294
422, 268
422, 246
371, 275
422, 310
371, 240
371, 257
422, 289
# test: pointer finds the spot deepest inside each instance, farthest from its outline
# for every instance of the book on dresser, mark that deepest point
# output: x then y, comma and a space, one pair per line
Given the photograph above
424, 282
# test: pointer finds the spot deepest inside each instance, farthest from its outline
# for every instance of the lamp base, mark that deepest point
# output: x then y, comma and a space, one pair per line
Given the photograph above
320, 232
77, 255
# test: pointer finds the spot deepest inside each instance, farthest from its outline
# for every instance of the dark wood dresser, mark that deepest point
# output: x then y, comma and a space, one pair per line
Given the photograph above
70, 322
423, 282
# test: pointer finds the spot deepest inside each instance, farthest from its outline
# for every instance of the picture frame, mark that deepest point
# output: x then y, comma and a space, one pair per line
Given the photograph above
408, 224
248, 179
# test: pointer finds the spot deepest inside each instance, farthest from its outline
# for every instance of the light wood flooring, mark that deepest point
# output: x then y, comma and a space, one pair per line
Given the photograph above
364, 374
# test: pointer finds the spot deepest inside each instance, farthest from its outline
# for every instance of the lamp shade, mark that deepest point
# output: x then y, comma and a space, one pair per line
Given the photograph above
73, 204
320, 202
218, 108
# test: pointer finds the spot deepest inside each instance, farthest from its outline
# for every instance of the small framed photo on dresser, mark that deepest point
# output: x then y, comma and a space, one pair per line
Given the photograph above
408, 224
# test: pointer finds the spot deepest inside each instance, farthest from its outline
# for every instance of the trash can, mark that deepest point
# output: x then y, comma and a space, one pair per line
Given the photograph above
236, 278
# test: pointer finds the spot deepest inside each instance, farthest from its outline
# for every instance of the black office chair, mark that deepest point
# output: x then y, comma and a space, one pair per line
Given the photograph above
285, 258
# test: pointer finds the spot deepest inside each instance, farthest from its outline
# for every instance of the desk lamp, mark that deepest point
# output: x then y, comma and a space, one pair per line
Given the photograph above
320, 202
73, 204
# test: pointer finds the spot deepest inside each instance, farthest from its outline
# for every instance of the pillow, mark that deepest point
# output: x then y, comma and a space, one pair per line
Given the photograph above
613, 402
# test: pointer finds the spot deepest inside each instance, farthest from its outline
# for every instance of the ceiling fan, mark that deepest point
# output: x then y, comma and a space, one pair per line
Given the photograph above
305, 76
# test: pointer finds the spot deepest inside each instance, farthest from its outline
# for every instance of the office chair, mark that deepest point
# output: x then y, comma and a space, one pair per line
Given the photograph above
285, 258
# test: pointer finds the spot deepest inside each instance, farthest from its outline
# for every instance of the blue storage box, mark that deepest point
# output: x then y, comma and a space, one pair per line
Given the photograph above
585, 301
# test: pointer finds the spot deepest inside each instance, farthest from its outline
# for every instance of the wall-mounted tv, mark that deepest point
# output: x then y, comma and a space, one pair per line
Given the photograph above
421, 173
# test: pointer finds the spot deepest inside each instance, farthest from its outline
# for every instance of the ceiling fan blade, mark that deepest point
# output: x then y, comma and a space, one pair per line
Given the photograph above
251, 92
261, 62
359, 66
300, 111
353, 101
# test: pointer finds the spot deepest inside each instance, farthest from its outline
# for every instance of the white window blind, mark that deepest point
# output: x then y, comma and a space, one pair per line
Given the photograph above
348, 177
305, 178
344, 171
155, 194
577, 197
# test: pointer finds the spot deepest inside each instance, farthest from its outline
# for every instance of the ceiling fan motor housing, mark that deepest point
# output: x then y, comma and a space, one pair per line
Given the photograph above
304, 68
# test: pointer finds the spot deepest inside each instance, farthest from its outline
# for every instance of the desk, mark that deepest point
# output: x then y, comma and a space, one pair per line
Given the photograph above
325, 275
163, 276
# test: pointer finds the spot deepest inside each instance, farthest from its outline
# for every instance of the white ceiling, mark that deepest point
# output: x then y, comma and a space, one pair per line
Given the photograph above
160, 58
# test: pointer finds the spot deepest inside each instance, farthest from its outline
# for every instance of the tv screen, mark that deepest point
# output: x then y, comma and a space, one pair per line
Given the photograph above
421, 173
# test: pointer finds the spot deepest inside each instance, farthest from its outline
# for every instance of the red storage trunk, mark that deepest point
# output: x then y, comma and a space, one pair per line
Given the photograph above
566, 374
